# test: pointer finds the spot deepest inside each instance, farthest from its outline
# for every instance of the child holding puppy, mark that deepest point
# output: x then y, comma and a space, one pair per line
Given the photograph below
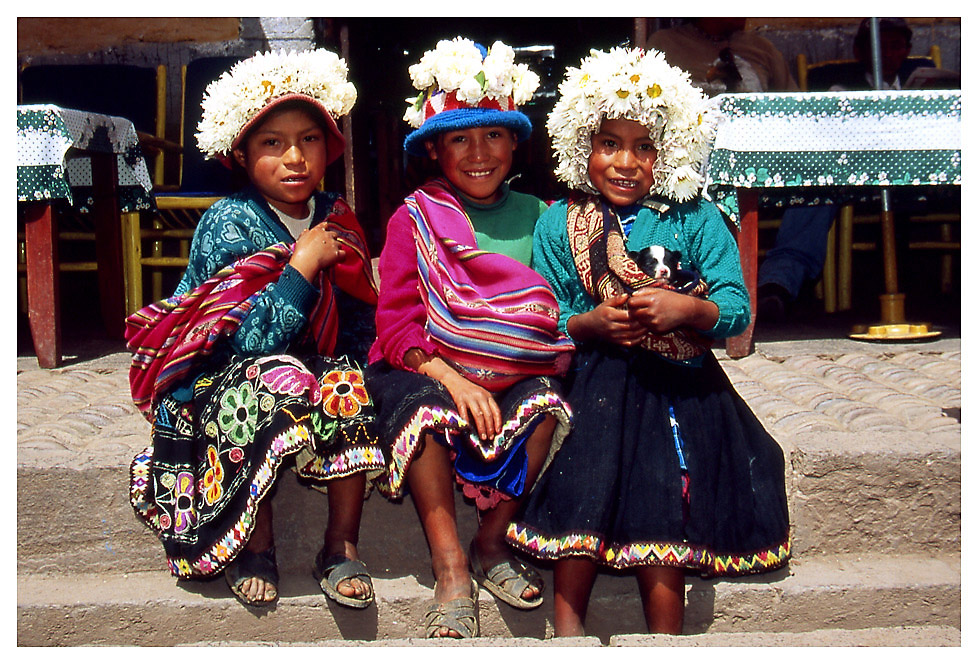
667, 470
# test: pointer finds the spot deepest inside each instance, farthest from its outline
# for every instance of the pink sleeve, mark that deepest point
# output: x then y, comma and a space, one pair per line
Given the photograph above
401, 313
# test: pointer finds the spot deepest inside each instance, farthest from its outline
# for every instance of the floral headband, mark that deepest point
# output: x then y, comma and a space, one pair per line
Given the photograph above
240, 97
638, 85
463, 85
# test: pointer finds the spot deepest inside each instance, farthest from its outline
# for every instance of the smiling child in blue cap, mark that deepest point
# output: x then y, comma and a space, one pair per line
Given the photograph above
467, 339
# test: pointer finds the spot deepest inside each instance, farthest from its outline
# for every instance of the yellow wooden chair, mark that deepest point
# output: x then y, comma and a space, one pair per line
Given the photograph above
160, 241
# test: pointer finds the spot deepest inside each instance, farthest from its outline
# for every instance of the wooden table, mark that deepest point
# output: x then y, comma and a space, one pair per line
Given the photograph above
93, 162
789, 144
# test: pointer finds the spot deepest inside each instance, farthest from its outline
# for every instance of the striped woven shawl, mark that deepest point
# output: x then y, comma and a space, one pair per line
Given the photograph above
170, 337
493, 318
605, 270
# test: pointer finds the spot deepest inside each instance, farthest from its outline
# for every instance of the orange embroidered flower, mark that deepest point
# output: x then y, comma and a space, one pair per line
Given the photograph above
213, 477
343, 393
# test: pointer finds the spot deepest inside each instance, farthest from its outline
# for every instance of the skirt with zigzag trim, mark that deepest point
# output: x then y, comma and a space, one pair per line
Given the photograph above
411, 405
215, 457
665, 465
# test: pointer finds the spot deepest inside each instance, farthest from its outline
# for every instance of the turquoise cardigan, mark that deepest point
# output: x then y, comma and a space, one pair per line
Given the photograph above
236, 227
696, 229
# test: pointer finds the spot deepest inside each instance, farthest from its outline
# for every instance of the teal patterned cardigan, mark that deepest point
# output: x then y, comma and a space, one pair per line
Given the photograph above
242, 224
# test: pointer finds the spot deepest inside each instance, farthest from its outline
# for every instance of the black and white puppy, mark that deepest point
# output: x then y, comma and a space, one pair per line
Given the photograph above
657, 262
664, 265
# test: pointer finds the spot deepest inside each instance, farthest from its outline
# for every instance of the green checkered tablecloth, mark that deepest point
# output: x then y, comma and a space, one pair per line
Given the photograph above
48, 170
833, 141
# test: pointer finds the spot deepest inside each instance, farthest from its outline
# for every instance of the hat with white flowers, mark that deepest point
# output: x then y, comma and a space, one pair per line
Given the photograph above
463, 86
244, 95
639, 85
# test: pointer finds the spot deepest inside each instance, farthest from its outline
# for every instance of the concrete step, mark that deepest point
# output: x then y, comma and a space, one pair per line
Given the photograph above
905, 636
883, 492
825, 593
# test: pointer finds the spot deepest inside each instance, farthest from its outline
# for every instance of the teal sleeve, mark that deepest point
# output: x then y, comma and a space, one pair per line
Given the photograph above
717, 259
553, 261
279, 315
233, 229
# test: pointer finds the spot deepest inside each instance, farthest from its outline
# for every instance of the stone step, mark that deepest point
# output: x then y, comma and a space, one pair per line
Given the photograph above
825, 593
882, 493
904, 636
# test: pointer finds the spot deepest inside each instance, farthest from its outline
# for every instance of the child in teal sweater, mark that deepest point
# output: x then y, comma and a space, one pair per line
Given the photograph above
248, 366
666, 470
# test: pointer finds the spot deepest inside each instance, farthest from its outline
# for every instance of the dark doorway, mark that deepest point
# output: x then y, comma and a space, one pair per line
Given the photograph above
382, 49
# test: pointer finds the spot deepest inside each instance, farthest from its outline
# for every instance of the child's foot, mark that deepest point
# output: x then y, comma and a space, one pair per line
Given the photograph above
510, 580
253, 577
453, 586
350, 579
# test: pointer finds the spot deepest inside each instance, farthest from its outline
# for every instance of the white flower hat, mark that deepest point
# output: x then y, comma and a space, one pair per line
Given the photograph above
639, 85
463, 85
242, 96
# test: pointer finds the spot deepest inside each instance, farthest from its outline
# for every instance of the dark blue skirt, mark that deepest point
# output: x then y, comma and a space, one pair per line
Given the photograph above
411, 405
665, 465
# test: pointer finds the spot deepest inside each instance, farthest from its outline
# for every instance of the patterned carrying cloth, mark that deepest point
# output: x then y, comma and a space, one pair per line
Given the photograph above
168, 338
606, 270
492, 317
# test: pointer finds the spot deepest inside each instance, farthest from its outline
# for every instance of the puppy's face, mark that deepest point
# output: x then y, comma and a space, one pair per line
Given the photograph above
657, 261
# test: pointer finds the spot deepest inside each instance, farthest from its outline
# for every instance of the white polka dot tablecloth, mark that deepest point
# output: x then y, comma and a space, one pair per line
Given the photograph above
47, 170
834, 140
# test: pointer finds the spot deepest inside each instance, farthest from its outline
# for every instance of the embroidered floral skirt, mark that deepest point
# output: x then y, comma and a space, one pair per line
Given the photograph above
411, 405
665, 465
215, 457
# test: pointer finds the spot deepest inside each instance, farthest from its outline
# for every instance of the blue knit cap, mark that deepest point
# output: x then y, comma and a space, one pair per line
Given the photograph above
444, 112
466, 118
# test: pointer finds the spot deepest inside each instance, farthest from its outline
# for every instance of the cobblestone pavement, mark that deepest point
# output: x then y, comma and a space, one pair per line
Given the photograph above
81, 415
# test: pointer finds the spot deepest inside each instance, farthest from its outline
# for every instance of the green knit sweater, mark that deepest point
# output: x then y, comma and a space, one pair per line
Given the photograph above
506, 226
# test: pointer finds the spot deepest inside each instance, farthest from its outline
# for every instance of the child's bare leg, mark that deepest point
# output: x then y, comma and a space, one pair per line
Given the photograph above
662, 590
343, 526
430, 478
574, 577
490, 540
255, 588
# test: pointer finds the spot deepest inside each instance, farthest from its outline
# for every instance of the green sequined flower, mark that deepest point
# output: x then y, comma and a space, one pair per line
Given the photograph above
238, 414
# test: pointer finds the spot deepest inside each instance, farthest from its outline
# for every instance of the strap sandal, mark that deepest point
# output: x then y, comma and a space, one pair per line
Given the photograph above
332, 570
508, 580
460, 615
248, 565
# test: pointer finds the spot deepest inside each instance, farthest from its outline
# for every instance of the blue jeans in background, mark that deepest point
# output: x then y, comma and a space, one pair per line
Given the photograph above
800, 248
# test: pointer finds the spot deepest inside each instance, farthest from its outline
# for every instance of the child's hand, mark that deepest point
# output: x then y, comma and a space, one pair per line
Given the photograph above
662, 310
609, 321
316, 249
474, 403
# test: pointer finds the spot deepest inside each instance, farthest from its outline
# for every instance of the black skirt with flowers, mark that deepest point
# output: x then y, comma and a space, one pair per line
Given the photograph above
216, 453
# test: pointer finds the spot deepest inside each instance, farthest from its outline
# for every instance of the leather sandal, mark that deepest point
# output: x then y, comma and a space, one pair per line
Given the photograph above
248, 565
508, 580
331, 570
460, 615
